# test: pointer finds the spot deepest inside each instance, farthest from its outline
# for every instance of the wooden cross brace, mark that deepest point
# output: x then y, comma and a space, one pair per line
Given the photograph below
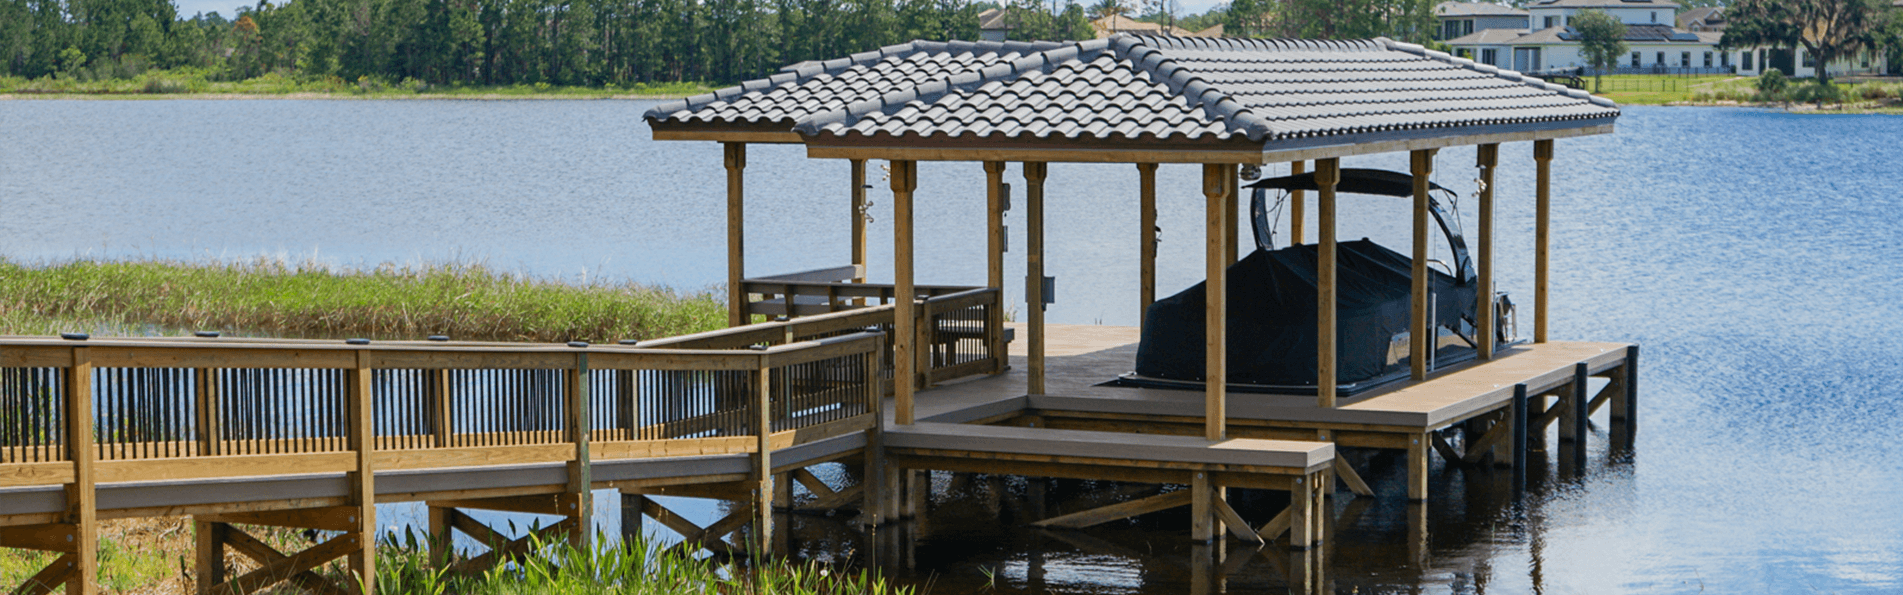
501, 547
694, 536
50, 537
827, 499
277, 567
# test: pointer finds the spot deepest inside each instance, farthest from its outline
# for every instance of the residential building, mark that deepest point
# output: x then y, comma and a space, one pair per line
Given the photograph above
1708, 18
1116, 23
1458, 19
992, 25
1549, 43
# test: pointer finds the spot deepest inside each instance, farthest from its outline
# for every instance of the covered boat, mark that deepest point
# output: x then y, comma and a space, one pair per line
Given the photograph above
1272, 314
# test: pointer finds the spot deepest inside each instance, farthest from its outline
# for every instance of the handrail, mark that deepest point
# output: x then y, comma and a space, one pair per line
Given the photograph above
202, 408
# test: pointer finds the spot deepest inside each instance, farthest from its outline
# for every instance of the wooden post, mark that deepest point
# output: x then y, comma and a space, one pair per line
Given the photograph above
1146, 237
211, 539
1230, 234
82, 504
1580, 409
362, 480
904, 324
1327, 174
859, 218
872, 502
441, 422
210, 435
1216, 315
1625, 404
1302, 512
1297, 203
1417, 467
581, 482
1203, 524
1519, 437
1034, 173
1420, 337
736, 162
763, 455
1542, 234
1484, 331
994, 263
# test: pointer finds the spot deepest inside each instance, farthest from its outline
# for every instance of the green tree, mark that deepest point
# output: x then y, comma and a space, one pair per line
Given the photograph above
1601, 39
1828, 29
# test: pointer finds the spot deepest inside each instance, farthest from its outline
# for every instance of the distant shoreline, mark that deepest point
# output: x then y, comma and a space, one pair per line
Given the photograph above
338, 96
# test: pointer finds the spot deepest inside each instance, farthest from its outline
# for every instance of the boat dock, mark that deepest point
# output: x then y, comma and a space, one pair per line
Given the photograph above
901, 378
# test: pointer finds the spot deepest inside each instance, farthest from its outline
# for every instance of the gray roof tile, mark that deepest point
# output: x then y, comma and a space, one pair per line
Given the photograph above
1142, 89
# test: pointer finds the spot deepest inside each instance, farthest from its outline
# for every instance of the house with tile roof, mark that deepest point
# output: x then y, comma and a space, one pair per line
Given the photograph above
1549, 43
1704, 18
1116, 23
1459, 19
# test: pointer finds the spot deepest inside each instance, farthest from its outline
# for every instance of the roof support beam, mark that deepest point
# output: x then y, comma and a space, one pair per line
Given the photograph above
1231, 234
1034, 172
1484, 331
1327, 175
904, 297
1298, 202
1542, 234
1421, 336
735, 158
1216, 186
1146, 224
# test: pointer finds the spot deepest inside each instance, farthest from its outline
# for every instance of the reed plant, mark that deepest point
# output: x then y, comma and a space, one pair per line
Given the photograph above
271, 297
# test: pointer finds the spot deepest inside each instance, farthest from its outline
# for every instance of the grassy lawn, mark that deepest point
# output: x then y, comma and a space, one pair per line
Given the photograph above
189, 82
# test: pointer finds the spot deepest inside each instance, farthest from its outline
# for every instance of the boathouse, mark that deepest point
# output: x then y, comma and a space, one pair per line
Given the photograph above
312, 434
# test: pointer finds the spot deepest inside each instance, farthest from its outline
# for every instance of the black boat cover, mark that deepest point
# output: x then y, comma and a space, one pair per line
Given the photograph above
1271, 303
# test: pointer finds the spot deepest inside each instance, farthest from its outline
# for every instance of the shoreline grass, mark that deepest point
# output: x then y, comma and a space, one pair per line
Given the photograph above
195, 83
267, 297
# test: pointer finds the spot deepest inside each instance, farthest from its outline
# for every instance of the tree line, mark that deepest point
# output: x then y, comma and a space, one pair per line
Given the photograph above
585, 42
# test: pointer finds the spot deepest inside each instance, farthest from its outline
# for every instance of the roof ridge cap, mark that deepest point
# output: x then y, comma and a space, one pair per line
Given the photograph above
1149, 59
800, 71
1043, 61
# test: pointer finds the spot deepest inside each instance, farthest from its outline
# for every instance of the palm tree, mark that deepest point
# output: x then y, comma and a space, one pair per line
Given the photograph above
1108, 8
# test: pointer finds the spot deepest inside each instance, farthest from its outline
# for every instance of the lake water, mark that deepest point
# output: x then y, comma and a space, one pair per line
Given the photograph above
1753, 254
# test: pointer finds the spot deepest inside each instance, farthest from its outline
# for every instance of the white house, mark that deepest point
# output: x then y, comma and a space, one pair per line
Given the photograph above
1549, 43
1459, 19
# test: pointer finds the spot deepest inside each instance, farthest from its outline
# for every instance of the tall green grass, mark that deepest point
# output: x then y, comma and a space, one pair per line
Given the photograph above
274, 298
635, 567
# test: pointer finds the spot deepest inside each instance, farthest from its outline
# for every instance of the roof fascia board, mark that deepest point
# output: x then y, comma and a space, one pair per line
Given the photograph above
729, 136
1336, 146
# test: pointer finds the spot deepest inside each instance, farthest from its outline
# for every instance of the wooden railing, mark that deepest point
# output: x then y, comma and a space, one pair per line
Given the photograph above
961, 328
825, 291
187, 408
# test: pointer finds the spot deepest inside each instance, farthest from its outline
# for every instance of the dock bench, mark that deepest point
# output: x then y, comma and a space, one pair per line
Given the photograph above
1301, 468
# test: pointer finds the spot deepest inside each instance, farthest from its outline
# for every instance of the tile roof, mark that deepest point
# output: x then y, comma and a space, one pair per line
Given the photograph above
1471, 9
1641, 32
1488, 36
1602, 4
808, 88
1283, 92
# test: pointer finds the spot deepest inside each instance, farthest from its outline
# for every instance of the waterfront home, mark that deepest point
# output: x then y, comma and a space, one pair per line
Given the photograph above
1459, 19
1548, 41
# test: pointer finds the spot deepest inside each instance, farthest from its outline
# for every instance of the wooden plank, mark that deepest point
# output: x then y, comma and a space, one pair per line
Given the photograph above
690, 532
729, 136
1542, 234
329, 518
470, 360
1231, 242
35, 356
260, 356
680, 447
823, 275
34, 474
734, 157
1302, 513
1111, 447
1327, 174
52, 537
1215, 310
82, 497
1278, 525
227, 466
1447, 451
1034, 174
210, 428
1487, 159
1419, 334
1120, 510
904, 322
